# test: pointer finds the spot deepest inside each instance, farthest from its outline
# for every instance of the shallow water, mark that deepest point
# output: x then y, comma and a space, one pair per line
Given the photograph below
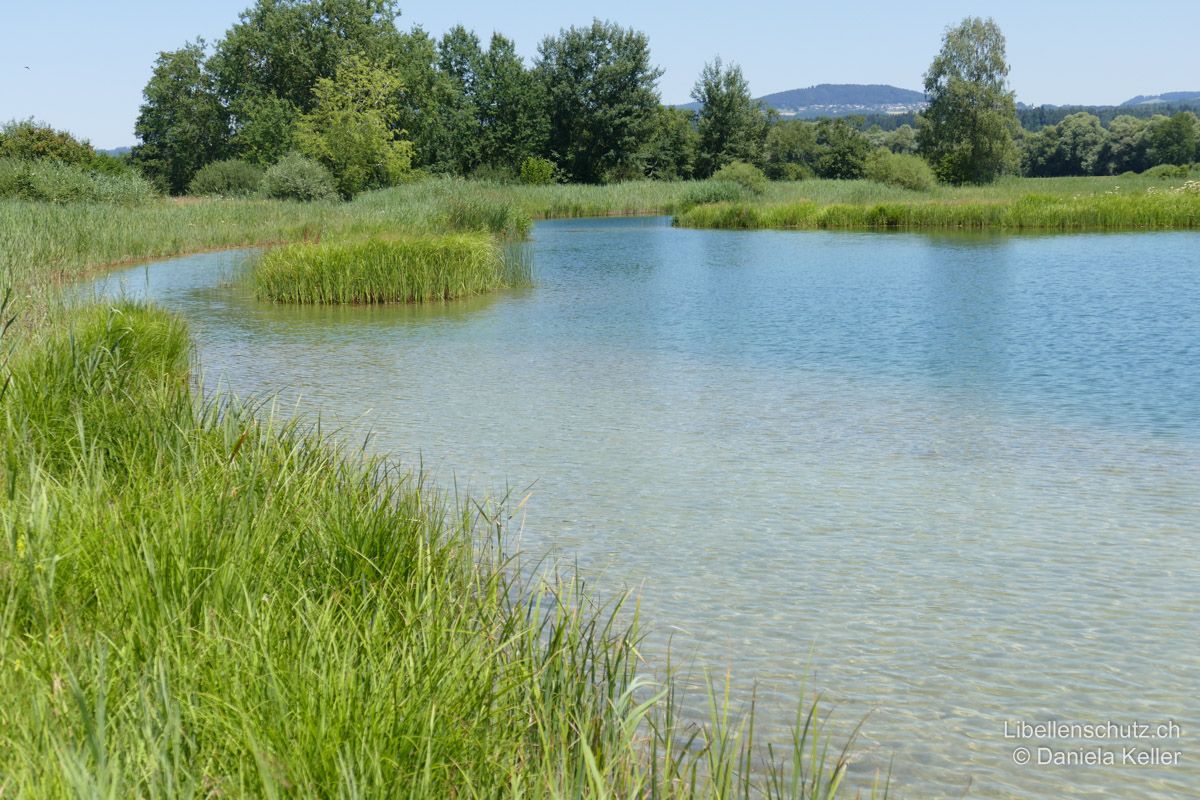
953, 480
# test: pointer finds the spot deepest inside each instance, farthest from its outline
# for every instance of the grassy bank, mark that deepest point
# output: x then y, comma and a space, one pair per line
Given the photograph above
407, 269
199, 602
1082, 204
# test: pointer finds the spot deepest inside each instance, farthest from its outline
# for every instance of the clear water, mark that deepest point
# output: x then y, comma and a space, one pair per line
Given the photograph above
947, 481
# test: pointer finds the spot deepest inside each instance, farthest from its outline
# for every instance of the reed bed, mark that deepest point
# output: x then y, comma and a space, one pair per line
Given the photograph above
197, 600
1029, 213
418, 268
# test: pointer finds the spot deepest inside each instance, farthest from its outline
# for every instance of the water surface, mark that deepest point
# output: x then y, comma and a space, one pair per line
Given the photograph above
953, 480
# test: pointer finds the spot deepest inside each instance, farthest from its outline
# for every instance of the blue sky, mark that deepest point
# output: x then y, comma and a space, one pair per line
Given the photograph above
88, 61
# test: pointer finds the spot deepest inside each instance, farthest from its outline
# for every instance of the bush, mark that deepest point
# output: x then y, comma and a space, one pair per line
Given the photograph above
537, 171
1165, 172
900, 169
230, 178
35, 141
298, 178
56, 182
747, 176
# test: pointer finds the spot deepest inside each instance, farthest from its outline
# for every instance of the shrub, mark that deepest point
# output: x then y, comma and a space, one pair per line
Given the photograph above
56, 182
900, 169
230, 178
298, 178
537, 171
747, 176
1166, 172
35, 141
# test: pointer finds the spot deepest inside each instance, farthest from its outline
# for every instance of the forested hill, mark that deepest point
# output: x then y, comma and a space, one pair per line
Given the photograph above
1166, 97
839, 100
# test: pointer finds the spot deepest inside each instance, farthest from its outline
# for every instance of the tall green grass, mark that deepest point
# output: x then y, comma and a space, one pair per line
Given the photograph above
55, 182
409, 269
1028, 213
199, 601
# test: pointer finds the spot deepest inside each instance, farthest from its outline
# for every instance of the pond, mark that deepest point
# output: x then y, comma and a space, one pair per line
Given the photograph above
951, 482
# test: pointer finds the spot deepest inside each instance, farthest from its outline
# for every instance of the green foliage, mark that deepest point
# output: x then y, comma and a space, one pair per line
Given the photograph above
298, 178
1075, 146
670, 152
900, 140
280, 49
792, 151
748, 176
264, 128
510, 104
229, 178
967, 131
182, 124
537, 171
1173, 140
1165, 172
1127, 145
601, 98
57, 182
412, 269
843, 149
899, 169
351, 128
36, 141
732, 126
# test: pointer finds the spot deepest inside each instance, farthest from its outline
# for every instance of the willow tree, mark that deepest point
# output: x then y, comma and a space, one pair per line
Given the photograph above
967, 132
352, 128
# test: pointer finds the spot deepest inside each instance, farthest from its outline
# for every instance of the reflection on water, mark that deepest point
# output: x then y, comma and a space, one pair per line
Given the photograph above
953, 479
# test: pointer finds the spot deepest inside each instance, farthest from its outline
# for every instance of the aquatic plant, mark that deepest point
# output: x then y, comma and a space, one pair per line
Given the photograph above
406, 269
1030, 213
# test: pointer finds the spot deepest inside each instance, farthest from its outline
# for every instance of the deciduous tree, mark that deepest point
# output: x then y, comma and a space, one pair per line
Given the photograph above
601, 97
733, 126
182, 124
967, 131
351, 129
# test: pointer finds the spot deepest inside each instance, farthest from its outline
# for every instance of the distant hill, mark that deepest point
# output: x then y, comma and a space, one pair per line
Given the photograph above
840, 100
114, 151
1168, 97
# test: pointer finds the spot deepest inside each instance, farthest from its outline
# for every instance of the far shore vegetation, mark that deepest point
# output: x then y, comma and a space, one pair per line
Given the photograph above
203, 601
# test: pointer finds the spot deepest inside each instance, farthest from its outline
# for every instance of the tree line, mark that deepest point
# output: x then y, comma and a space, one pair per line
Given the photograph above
334, 97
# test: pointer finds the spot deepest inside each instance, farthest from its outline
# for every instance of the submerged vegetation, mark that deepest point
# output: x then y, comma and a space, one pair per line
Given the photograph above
409, 269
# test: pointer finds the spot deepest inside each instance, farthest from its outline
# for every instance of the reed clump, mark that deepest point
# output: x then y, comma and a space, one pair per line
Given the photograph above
201, 601
407, 269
